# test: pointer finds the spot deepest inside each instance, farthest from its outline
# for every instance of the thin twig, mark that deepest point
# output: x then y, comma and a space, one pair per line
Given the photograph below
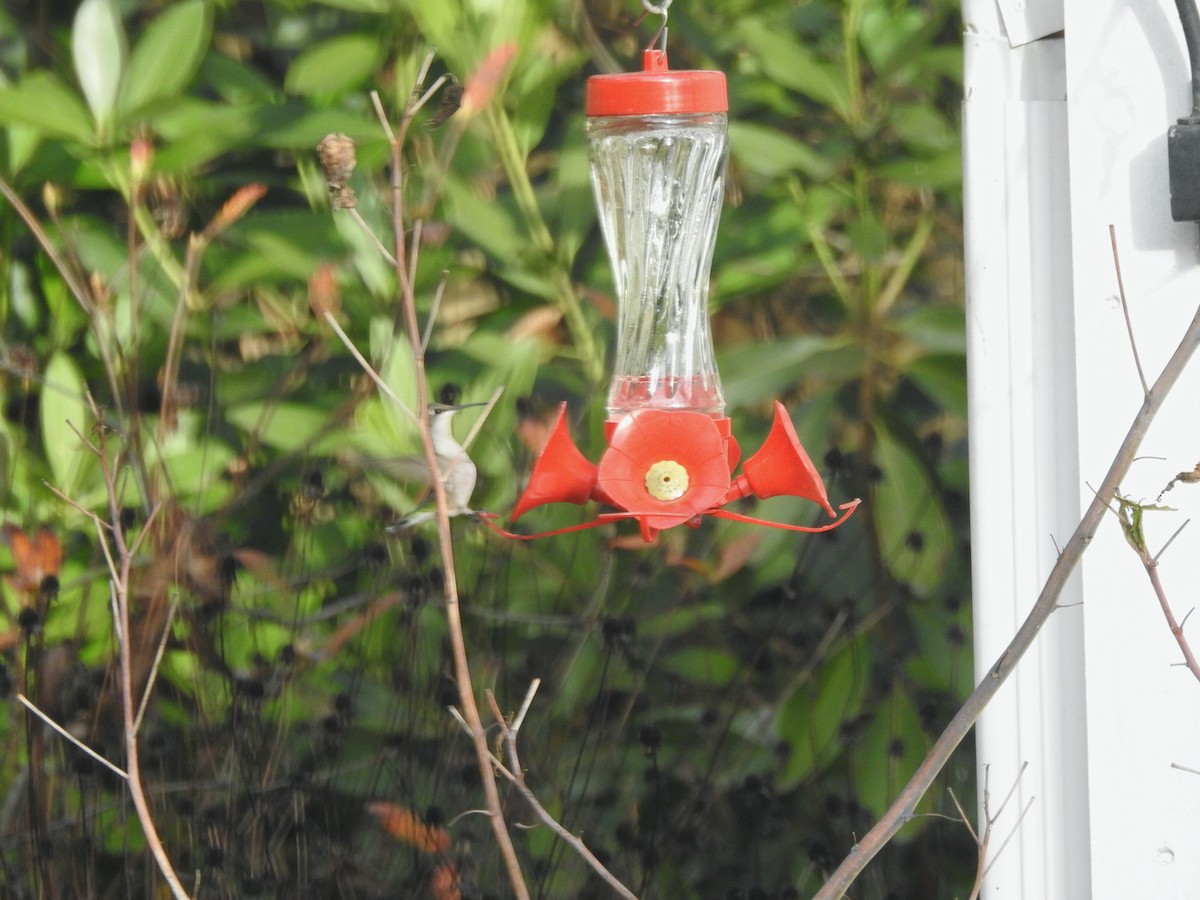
901, 809
1137, 360
116, 547
32, 707
1016, 827
462, 670
990, 820
379, 245
1012, 790
433, 311
102, 527
76, 286
515, 775
423, 72
980, 843
425, 97
414, 253
1130, 514
483, 416
963, 815
519, 719
1189, 656
170, 370
382, 116
1170, 541
159, 652
383, 386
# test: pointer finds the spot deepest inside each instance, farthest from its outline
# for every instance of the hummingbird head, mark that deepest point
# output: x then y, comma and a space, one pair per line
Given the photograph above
436, 410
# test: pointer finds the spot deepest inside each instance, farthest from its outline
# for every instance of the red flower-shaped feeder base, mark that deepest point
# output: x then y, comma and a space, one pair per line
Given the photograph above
672, 467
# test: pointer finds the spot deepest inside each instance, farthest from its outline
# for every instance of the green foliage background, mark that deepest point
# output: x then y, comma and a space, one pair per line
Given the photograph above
721, 713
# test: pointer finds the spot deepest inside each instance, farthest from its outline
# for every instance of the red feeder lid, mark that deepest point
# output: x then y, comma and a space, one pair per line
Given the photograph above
657, 90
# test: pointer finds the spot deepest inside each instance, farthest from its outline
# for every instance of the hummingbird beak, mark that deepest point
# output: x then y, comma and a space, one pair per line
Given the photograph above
448, 407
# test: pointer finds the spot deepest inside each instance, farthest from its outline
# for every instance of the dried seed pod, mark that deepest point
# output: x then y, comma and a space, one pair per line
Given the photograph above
324, 297
336, 152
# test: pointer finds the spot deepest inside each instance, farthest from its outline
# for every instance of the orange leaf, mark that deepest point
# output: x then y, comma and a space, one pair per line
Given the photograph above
444, 883
405, 825
735, 555
235, 207
323, 293
34, 558
481, 87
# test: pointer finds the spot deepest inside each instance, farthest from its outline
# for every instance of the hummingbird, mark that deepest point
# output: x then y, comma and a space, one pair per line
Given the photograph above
456, 467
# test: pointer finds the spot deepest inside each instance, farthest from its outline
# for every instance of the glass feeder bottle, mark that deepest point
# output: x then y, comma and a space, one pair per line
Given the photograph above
658, 152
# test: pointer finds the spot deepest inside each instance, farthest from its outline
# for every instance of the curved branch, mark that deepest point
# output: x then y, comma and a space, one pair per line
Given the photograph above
902, 809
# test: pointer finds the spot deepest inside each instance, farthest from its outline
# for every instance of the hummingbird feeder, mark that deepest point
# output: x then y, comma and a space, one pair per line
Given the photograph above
658, 153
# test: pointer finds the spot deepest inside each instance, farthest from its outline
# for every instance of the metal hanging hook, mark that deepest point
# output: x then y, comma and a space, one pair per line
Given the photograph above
658, 9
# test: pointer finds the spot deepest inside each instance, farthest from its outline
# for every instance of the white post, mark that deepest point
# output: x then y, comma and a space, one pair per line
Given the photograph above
1062, 138
1127, 77
1024, 474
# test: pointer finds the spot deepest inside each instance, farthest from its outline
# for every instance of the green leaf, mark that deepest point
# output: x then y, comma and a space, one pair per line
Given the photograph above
943, 379
678, 621
891, 38
366, 6
198, 130
282, 244
768, 152
940, 172
98, 46
810, 719
23, 141
335, 65
533, 89
235, 81
168, 55
398, 370
704, 666
890, 751
573, 189
923, 128
943, 634
65, 417
936, 329
913, 531
44, 102
868, 237
284, 426
753, 372
489, 223
793, 65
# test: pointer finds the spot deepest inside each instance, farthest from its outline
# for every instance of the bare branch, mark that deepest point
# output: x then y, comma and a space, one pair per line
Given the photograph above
1016, 827
963, 816
1189, 655
362, 223
483, 416
382, 116
1137, 360
433, 311
514, 774
1170, 541
32, 707
901, 809
383, 386
159, 651
462, 671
